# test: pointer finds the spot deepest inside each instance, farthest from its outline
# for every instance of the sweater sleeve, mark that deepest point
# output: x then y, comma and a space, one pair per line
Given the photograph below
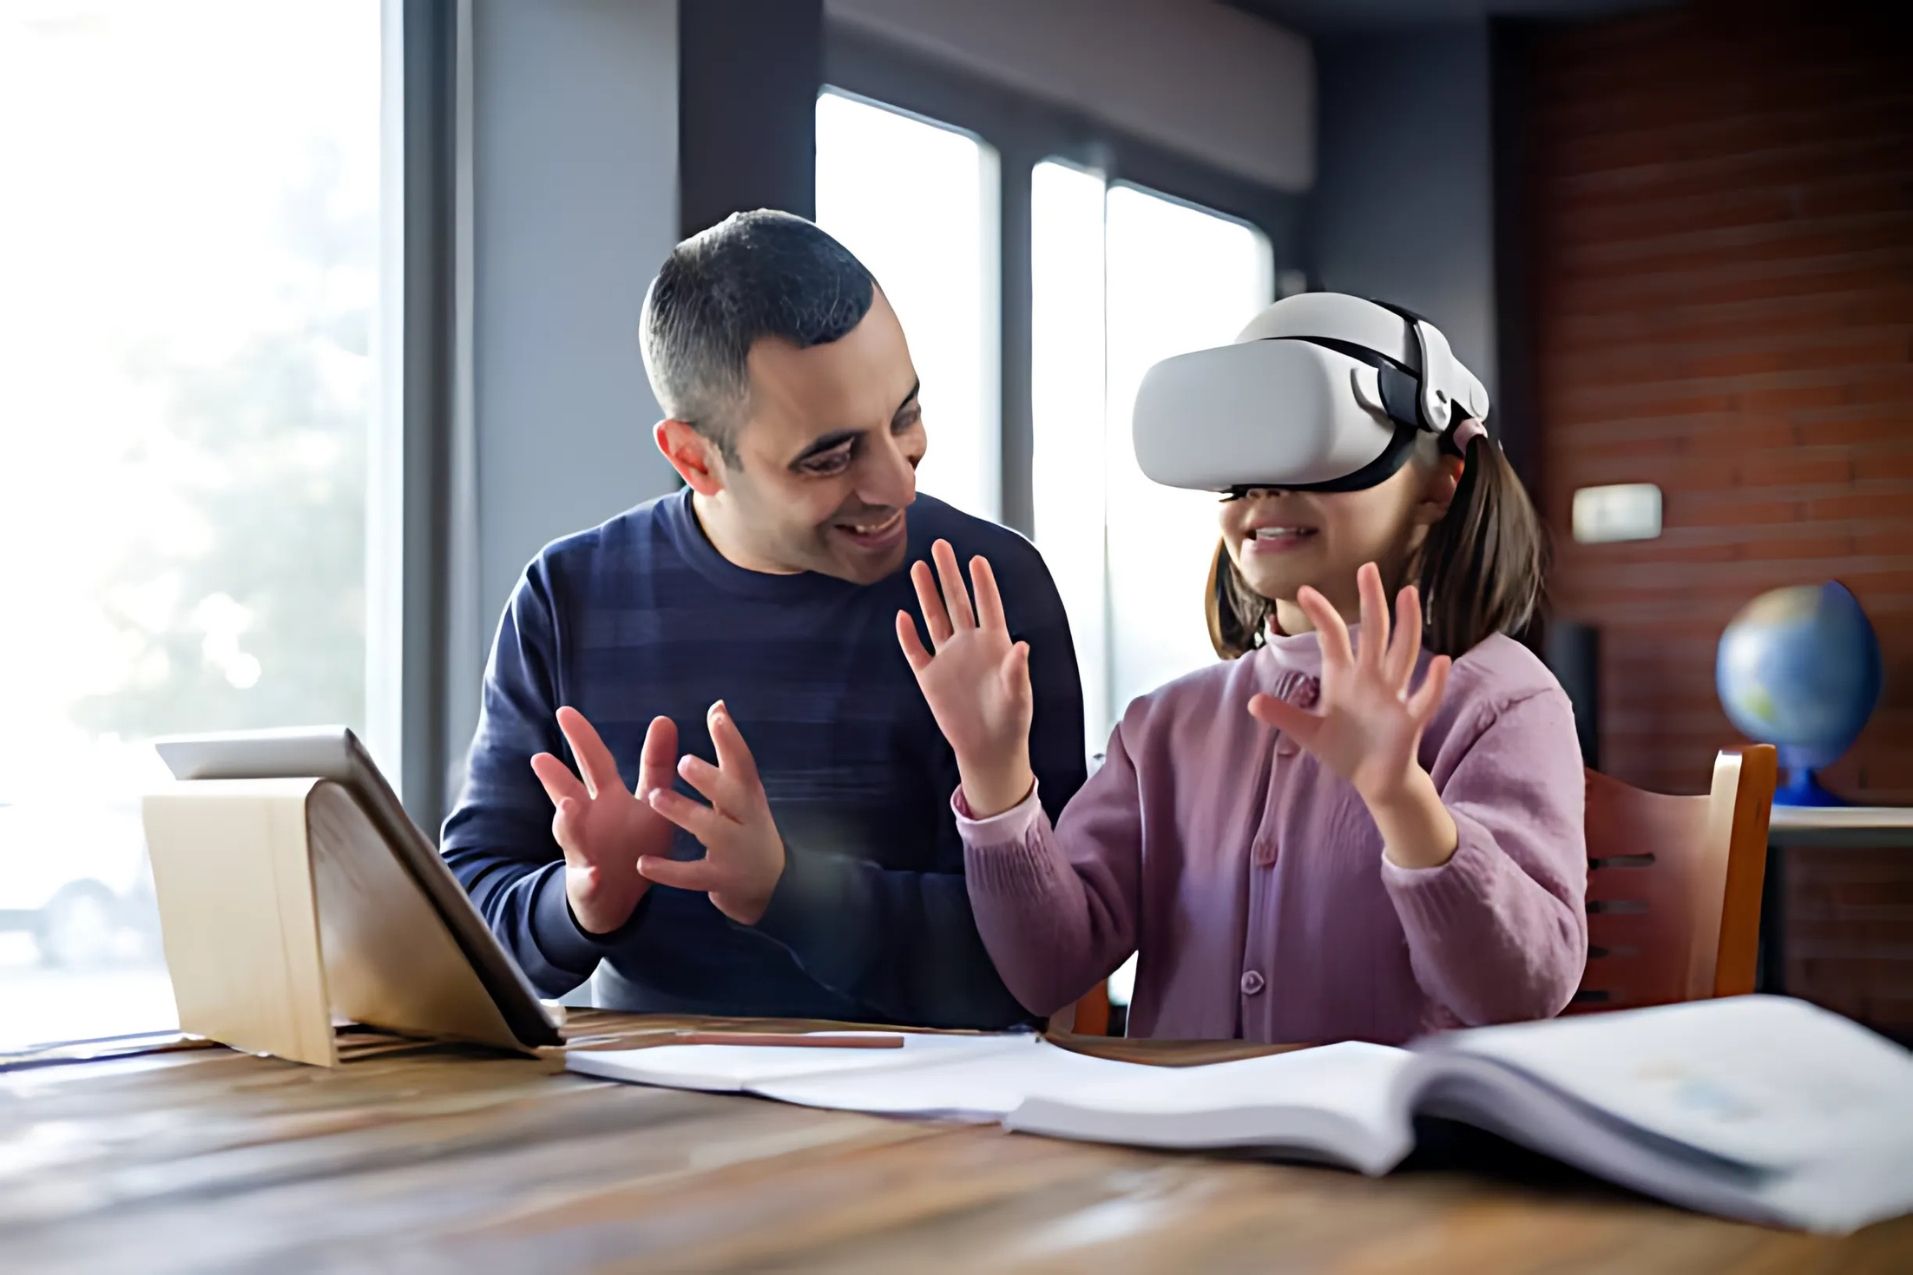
1499, 932
498, 840
1056, 904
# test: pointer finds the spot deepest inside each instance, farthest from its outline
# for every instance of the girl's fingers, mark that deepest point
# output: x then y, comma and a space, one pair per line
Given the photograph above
1423, 703
956, 594
930, 602
1016, 672
912, 644
989, 602
1329, 629
1374, 613
1278, 714
1406, 648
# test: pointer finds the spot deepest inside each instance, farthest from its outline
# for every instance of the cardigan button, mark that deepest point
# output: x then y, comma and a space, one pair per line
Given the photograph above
1252, 983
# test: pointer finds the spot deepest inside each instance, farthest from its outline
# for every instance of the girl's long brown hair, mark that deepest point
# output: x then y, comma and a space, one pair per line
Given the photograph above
1480, 569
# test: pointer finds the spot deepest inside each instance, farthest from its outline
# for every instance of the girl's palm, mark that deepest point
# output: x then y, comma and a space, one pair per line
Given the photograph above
1367, 725
978, 682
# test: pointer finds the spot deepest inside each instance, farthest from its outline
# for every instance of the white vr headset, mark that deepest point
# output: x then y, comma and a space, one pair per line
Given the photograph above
1321, 392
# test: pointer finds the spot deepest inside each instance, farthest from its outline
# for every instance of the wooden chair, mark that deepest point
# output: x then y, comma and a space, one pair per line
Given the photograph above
1674, 886
1673, 891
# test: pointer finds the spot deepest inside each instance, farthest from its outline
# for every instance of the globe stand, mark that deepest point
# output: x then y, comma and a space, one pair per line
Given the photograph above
1803, 788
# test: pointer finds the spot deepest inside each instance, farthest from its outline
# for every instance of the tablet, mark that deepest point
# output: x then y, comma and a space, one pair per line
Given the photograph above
335, 753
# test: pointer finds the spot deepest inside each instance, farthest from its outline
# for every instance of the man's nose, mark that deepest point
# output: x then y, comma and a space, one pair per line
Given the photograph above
889, 478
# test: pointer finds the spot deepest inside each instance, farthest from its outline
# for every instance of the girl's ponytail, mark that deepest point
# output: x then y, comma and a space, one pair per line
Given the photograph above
1482, 567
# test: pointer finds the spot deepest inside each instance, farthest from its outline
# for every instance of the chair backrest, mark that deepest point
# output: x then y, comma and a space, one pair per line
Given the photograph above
1674, 886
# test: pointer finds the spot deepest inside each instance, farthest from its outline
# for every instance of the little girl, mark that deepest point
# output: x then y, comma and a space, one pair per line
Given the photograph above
1351, 829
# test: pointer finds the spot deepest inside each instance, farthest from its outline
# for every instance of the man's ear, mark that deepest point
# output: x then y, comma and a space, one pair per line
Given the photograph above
1438, 491
691, 454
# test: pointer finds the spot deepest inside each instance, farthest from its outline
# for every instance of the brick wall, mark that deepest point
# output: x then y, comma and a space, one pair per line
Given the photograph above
1723, 242
1722, 254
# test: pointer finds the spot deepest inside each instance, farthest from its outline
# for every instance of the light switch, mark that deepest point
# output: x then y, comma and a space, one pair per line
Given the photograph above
1623, 511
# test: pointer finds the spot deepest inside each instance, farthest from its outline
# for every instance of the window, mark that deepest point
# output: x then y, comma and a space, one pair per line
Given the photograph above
190, 432
1122, 277
916, 201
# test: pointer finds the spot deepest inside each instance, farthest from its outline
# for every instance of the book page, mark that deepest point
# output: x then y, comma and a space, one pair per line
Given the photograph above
962, 1086
1760, 1080
1341, 1102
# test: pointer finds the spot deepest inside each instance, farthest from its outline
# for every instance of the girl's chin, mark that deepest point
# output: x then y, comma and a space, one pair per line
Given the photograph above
1272, 583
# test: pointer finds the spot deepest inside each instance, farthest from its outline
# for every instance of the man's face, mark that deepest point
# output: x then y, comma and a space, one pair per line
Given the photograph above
827, 455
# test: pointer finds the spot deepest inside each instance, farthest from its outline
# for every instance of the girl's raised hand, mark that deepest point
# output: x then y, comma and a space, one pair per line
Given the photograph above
1367, 723
977, 683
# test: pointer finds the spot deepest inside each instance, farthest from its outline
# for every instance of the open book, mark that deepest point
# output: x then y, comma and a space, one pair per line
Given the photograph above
1753, 1107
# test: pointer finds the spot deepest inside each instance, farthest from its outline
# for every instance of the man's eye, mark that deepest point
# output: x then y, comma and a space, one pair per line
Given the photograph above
829, 463
907, 422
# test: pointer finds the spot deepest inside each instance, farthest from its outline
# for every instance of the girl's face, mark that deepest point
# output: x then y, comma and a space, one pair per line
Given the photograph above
1281, 540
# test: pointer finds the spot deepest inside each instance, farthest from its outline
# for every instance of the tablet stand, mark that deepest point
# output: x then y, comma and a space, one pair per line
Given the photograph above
282, 909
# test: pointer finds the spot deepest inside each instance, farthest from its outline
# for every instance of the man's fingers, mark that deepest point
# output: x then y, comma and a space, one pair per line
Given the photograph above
558, 781
681, 874
930, 602
595, 762
696, 818
1374, 613
989, 600
660, 754
722, 788
956, 594
912, 644
566, 830
733, 754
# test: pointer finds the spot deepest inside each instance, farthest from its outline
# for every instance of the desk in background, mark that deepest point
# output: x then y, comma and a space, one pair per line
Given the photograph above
430, 1158
1835, 829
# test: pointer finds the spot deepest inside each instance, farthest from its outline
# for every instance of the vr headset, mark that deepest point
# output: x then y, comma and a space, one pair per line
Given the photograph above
1321, 392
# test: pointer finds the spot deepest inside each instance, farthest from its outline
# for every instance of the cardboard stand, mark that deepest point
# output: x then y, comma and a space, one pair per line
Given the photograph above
282, 909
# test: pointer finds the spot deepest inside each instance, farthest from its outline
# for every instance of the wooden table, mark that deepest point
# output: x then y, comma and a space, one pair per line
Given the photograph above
431, 1158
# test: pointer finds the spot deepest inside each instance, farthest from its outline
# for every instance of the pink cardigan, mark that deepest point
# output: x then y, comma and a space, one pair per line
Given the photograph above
1252, 881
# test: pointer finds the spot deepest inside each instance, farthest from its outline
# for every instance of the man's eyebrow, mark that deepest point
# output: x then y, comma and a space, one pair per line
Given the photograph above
908, 399
838, 437
826, 443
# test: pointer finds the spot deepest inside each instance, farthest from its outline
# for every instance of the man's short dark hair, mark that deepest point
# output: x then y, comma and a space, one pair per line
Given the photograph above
753, 275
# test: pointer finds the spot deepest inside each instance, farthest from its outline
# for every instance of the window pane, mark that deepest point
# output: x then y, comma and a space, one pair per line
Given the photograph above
1179, 279
1066, 401
189, 323
917, 203
1121, 278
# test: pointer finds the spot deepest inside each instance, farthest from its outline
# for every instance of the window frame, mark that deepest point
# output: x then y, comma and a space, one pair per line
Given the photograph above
1026, 130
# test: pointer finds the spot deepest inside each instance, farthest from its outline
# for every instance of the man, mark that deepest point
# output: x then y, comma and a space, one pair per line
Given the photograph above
825, 876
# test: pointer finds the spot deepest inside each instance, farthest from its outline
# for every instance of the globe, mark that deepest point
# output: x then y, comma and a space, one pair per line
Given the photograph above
1799, 668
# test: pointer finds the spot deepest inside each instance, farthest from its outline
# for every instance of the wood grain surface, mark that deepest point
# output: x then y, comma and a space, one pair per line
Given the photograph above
429, 1158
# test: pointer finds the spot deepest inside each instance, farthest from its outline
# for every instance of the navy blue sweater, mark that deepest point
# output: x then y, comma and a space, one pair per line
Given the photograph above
871, 920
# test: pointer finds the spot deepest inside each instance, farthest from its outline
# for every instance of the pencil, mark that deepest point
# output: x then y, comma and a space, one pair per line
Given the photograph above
797, 1039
